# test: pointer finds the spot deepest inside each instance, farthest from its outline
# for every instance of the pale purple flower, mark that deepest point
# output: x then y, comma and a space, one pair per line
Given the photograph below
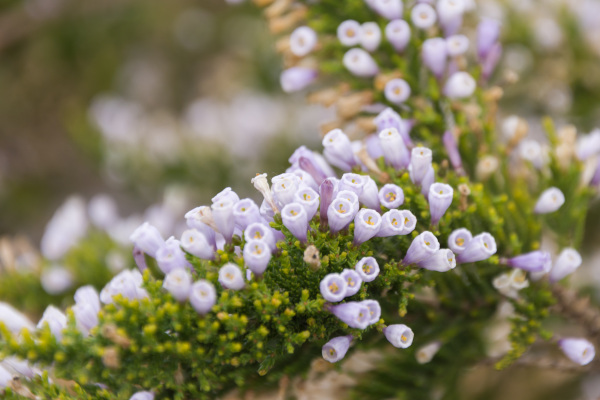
457, 45
391, 196
195, 243
326, 197
366, 225
422, 247
103, 212
147, 238
13, 319
295, 79
351, 197
399, 335
203, 296
394, 148
567, 262
440, 198
246, 212
260, 231
222, 212
397, 91
144, 395
370, 36
338, 150
588, 145
452, 149
302, 41
460, 85
127, 283
354, 314
442, 260
86, 316
226, 194
369, 196
178, 282
309, 200
360, 63
420, 162
423, 16
397, 33
389, 9
491, 60
307, 165
257, 255
479, 248
197, 219
578, 350
450, 13
549, 201
56, 320
349, 32
339, 214
426, 353
367, 269
534, 261
392, 224
352, 182
333, 287
459, 239
374, 310
427, 181
230, 276
67, 226
353, 281
335, 350
6, 377
389, 118
434, 55
87, 295
488, 32
56, 279
170, 256
295, 219
410, 221
284, 190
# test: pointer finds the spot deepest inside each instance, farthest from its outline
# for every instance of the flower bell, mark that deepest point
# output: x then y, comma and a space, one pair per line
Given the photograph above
260, 231
452, 149
349, 33
302, 41
394, 148
421, 248
333, 287
127, 283
399, 335
397, 33
389, 118
226, 194
56, 320
295, 79
366, 225
86, 316
374, 310
488, 32
391, 196
203, 296
420, 162
397, 91
389, 9
147, 238
534, 261
392, 224
567, 262
338, 150
223, 215
309, 200
457, 45
284, 189
480, 248
426, 353
370, 36
442, 260
440, 198
450, 13
170, 256
352, 182
353, 281
200, 218
460, 85
423, 16
367, 268
410, 222
369, 196
196, 243
360, 63
246, 212
230, 276
339, 214
257, 255
434, 55
550, 200
295, 219
459, 240
351, 197
335, 350
354, 314
178, 282
580, 351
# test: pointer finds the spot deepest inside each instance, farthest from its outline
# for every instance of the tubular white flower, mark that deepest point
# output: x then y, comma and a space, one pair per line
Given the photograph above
335, 350
246, 212
486, 167
502, 284
203, 296
440, 198
262, 185
56, 320
367, 269
426, 353
460, 85
422, 247
349, 32
223, 216
397, 33
392, 224
399, 335
442, 260
578, 350
353, 281
354, 314
260, 231
423, 16
450, 14
87, 295
389, 9
302, 41
360, 63
305, 179
309, 199
369, 196
295, 219
338, 149
351, 197
13, 319
420, 162
397, 91
230, 276
127, 283
333, 287
284, 191
295, 79
257, 255
481, 247
199, 219
550, 200
178, 282
434, 55
56, 279
531, 150
374, 310
457, 45
226, 194
147, 238
339, 214
352, 182
567, 262
370, 36
518, 279
427, 181
394, 149
86, 316
195, 243
170, 256
588, 145
459, 240
391, 196
409, 222
366, 225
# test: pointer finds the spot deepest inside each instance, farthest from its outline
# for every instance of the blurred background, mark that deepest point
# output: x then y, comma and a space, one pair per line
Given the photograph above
121, 111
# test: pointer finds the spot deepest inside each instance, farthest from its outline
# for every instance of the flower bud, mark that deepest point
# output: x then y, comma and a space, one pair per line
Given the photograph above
230, 276
302, 41
374, 310
459, 240
360, 63
56, 320
420, 162
257, 255
440, 198
452, 149
170, 256
295, 219
389, 9
457, 45
578, 350
399, 335
326, 196
397, 33
307, 165
370, 36
295, 79
366, 225
550, 200
481, 247
354, 314
338, 150
203, 296
423, 16
335, 350
489, 64
434, 55
367, 269
339, 214
567, 262
397, 91
421, 248
394, 148
442, 260
147, 238
245, 212
333, 288
460, 85
426, 353
369, 196
535, 261
178, 282
349, 33
196, 244
223, 216
353, 281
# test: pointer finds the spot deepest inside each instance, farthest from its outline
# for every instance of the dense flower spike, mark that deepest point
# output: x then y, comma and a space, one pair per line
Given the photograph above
397, 32
203, 296
295, 219
394, 148
399, 335
257, 255
360, 63
567, 262
349, 33
422, 247
354, 314
302, 41
297, 78
440, 198
333, 287
367, 269
147, 238
391, 196
366, 225
580, 351
442, 260
196, 243
480, 248
178, 282
459, 240
335, 350
550, 200
397, 91
230, 276
353, 281
535, 261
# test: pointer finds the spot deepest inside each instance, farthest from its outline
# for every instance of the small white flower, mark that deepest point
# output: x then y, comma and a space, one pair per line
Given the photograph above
550, 200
